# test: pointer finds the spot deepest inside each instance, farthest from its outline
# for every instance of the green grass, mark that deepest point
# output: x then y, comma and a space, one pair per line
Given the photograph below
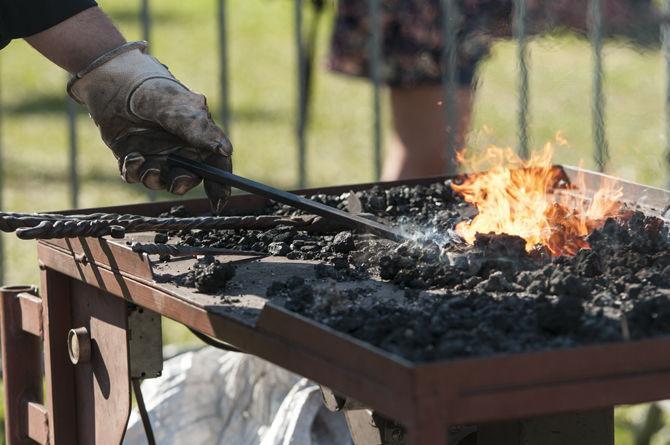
262, 62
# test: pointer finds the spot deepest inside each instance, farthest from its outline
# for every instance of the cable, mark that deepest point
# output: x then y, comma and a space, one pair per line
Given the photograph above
213, 342
144, 415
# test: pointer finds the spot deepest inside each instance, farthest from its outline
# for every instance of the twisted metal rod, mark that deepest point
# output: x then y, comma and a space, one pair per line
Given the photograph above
521, 35
49, 225
601, 154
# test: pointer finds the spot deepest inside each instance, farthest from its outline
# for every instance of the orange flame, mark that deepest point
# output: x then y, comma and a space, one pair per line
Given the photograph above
519, 197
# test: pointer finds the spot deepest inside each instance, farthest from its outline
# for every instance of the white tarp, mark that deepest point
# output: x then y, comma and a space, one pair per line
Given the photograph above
213, 397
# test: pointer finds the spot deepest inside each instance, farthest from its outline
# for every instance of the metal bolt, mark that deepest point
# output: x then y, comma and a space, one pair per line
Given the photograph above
81, 258
397, 435
79, 346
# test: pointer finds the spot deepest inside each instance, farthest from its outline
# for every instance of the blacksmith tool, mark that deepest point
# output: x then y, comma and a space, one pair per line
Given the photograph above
299, 202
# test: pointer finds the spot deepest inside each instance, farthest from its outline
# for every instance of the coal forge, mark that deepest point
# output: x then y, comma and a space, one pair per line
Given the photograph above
458, 299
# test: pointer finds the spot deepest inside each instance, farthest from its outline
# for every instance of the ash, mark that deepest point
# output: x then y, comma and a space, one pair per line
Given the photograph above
468, 301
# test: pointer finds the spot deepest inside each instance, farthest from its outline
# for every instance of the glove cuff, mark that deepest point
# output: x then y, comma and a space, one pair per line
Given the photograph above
100, 61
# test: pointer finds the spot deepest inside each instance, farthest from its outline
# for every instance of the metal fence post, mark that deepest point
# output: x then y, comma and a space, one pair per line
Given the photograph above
71, 106
450, 23
520, 34
224, 111
2, 191
601, 146
375, 73
665, 34
301, 122
145, 19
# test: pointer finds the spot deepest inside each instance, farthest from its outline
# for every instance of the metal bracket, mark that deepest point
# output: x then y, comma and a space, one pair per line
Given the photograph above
368, 427
21, 326
145, 343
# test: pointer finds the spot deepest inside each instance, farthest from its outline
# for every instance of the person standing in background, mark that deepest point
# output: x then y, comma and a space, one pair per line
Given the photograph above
412, 61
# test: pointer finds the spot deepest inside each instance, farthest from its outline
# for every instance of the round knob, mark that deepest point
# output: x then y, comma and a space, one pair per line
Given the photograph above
79, 346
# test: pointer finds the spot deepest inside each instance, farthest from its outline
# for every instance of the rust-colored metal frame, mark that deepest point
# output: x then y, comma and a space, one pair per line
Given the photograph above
426, 398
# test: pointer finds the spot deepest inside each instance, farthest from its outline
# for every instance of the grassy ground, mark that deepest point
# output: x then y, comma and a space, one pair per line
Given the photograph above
263, 103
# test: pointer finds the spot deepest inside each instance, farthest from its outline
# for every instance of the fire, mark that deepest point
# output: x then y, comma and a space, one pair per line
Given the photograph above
520, 197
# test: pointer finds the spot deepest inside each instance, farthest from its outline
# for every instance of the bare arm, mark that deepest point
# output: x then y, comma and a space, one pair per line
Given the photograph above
74, 43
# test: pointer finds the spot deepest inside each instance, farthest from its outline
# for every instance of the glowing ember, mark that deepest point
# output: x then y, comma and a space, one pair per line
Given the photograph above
518, 197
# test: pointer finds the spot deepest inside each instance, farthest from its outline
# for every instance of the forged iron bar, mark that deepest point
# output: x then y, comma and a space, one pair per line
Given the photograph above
375, 72
175, 250
601, 146
450, 24
44, 226
210, 173
520, 34
70, 228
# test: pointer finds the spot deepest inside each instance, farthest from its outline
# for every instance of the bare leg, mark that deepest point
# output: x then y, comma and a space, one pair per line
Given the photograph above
418, 147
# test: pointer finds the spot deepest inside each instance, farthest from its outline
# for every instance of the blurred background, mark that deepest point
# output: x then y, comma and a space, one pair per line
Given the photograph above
37, 169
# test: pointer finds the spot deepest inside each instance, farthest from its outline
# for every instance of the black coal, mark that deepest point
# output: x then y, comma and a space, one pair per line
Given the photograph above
460, 300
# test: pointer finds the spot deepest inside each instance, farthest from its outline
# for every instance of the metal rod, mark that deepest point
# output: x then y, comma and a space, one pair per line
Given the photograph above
210, 173
520, 34
375, 72
450, 23
302, 90
71, 106
2, 190
49, 225
145, 19
224, 111
665, 34
601, 146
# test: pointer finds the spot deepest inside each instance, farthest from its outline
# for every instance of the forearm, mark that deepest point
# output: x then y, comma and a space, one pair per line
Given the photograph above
74, 43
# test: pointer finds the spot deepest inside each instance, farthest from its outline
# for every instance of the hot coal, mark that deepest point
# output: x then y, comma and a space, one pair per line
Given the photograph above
465, 301
209, 275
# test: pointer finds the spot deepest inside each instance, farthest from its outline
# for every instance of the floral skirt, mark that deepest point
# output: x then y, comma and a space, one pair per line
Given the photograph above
412, 36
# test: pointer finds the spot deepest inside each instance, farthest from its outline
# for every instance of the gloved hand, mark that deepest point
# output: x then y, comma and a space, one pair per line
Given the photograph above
144, 114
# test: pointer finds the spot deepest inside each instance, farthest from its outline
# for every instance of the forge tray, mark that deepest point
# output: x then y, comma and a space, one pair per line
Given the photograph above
426, 398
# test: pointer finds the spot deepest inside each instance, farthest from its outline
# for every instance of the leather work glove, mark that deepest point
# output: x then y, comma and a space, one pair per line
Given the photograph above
144, 114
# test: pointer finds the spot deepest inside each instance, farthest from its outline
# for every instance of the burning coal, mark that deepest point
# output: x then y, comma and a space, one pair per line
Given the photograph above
529, 199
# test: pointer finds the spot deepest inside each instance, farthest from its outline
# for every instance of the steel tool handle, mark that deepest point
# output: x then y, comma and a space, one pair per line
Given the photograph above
210, 173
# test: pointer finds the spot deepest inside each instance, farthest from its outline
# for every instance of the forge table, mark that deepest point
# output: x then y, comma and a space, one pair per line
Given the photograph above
106, 297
